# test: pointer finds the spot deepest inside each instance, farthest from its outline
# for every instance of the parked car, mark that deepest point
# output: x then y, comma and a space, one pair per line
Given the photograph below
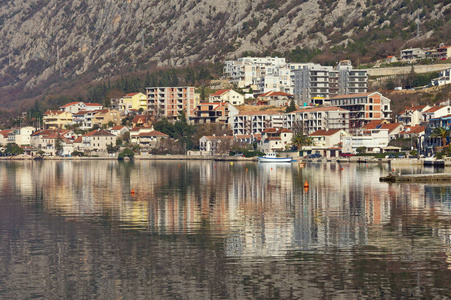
401, 155
391, 155
239, 154
347, 154
314, 155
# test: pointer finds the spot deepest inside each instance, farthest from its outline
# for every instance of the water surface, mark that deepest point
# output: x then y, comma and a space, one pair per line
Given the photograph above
210, 230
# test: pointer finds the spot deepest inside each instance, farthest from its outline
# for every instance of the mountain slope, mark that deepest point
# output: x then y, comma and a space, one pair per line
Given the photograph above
46, 41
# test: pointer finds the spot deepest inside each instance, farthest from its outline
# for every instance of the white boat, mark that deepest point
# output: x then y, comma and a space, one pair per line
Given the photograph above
272, 158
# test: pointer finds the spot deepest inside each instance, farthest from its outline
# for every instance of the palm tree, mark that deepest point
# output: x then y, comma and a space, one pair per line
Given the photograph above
300, 140
442, 133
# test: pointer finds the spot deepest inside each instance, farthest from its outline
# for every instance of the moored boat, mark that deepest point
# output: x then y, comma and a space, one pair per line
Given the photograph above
272, 158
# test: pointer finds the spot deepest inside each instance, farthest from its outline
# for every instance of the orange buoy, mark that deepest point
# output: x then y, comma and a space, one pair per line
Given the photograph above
246, 169
342, 169
271, 169
179, 165
306, 189
306, 184
132, 192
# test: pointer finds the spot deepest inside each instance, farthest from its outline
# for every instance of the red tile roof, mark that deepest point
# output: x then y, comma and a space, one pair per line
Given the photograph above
117, 127
131, 94
412, 108
219, 92
5, 132
53, 112
413, 130
100, 132
154, 133
389, 126
323, 132
70, 104
273, 93
435, 108
93, 104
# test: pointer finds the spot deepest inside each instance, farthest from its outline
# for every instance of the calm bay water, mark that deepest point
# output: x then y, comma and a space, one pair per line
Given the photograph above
210, 230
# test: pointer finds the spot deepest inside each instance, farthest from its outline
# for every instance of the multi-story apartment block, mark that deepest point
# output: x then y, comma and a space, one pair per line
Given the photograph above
56, 119
351, 81
316, 81
317, 118
254, 122
170, 102
20, 136
363, 108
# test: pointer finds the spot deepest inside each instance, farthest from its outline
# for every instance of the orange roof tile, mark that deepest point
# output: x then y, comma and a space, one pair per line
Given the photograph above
323, 132
219, 92
70, 104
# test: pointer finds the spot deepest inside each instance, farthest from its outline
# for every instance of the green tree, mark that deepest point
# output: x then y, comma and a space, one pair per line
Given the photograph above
291, 107
441, 133
361, 149
112, 149
58, 145
300, 140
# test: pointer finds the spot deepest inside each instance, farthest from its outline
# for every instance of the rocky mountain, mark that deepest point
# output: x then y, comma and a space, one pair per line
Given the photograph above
47, 41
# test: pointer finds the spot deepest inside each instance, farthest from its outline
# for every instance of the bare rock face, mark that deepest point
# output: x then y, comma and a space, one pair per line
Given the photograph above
42, 39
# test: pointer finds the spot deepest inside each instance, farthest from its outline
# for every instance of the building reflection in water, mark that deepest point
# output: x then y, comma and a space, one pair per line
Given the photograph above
257, 209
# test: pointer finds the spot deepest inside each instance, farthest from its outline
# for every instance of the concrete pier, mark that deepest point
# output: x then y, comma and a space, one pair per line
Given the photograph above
438, 177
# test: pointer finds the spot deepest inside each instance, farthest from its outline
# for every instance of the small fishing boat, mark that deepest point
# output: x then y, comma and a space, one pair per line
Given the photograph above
272, 158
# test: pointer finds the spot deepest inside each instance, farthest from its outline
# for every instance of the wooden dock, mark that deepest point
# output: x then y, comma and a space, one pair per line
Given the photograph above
437, 177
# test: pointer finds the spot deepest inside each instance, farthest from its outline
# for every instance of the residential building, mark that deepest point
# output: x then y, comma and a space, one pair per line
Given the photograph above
211, 113
311, 119
229, 96
20, 136
95, 141
412, 132
215, 145
4, 136
351, 81
142, 121
412, 115
170, 102
412, 54
75, 107
56, 119
393, 128
84, 119
444, 78
363, 108
373, 140
391, 59
328, 138
148, 140
441, 53
254, 122
313, 81
436, 112
133, 101
119, 130
430, 144
136, 131
275, 139
45, 139
106, 117
273, 98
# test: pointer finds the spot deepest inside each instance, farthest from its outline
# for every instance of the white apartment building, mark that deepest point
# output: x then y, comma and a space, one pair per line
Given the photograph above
254, 122
318, 118
374, 141
20, 136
